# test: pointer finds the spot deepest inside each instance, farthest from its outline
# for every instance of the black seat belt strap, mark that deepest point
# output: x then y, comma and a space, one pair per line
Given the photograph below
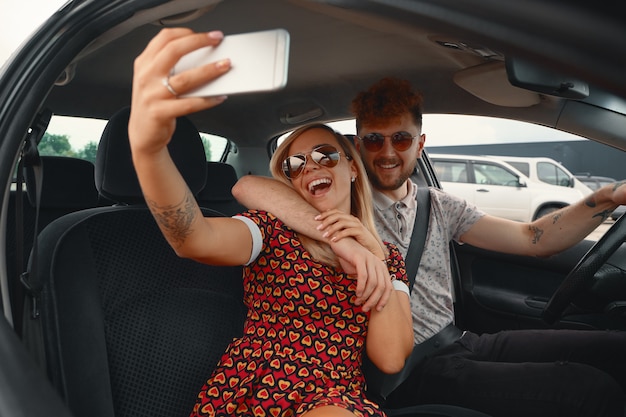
380, 384
32, 327
31, 159
418, 238
29, 277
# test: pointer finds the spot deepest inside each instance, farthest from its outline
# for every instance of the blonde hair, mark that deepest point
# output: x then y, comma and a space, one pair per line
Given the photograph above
360, 196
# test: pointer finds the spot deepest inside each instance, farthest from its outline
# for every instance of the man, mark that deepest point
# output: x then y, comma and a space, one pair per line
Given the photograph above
538, 373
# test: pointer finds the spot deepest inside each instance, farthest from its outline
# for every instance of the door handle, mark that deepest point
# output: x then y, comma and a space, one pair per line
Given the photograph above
536, 302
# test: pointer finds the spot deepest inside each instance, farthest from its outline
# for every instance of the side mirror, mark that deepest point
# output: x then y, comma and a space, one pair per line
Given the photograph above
567, 182
522, 182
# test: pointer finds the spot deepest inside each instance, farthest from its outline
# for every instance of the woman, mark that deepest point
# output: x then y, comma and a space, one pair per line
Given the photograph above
307, 323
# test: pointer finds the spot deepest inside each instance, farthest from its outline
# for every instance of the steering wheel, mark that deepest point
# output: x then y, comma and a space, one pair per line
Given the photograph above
581, 277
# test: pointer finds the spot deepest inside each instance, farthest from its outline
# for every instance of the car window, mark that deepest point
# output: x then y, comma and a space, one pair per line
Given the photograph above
475, 135
78, 137
552, 174
215, 147
490, 174
450, 171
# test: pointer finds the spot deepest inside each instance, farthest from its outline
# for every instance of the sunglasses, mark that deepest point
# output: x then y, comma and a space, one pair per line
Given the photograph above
323, 155
401, 141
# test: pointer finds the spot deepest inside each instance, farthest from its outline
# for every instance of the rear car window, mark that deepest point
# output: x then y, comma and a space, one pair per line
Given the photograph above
78, 138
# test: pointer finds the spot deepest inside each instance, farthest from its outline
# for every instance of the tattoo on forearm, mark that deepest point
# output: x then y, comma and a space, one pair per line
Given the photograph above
537, 232
175, 220
603, 214
591, 201
556, 217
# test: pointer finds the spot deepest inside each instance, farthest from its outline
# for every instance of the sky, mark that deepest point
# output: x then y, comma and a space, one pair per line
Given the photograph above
19, 18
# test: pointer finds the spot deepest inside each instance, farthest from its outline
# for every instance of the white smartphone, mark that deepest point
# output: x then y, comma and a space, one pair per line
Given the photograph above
259, 62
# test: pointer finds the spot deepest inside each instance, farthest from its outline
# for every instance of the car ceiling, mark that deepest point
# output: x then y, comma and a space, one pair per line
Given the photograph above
340, 47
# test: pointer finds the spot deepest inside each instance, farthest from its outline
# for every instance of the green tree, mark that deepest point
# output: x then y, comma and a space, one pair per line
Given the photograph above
207, 147
55, 145
88, 152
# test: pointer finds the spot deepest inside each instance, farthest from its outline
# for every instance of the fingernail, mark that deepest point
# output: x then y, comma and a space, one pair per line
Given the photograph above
220, 99
216, 34
222, 64
325, 234
319, 216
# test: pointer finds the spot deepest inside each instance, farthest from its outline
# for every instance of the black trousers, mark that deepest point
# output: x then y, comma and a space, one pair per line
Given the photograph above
524, 373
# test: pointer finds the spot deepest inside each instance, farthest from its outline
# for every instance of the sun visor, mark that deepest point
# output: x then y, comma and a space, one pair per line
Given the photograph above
531, 77
489, 82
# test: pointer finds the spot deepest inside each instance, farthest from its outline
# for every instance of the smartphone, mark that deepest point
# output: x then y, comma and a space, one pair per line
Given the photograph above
259, 62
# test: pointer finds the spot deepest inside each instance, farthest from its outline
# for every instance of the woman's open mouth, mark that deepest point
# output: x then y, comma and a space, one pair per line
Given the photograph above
319, 185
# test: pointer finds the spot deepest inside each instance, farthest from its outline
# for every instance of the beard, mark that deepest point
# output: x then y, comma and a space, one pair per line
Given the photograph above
392, 181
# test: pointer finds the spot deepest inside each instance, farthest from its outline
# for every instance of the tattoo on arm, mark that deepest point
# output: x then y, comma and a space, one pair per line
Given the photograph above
556, 217
603, 214
175, 220
591, 201
537, 232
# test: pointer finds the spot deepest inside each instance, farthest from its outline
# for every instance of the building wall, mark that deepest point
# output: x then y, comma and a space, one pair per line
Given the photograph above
577, 156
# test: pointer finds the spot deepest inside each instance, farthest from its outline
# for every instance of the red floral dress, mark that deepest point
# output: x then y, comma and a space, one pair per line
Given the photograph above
303, 337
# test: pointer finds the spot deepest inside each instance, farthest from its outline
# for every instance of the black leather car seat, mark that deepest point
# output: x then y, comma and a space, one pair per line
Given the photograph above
126, 327
216, 194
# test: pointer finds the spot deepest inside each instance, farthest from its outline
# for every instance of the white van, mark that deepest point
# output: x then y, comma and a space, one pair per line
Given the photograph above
498, 188
545, 170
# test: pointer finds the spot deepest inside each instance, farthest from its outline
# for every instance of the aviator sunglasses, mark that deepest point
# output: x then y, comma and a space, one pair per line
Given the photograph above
401, 141
323, 155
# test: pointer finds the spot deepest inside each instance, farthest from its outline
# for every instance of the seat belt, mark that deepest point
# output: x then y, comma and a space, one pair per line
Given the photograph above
418, 237
29, 277
379, 384
29, 158
31, 324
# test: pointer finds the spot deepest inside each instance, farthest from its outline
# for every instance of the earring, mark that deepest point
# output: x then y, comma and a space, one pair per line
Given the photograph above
353, 179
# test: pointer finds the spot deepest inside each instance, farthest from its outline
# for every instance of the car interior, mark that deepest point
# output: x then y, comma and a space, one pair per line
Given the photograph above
101, 318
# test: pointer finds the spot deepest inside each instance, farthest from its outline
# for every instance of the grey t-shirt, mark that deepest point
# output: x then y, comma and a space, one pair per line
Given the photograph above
450, 218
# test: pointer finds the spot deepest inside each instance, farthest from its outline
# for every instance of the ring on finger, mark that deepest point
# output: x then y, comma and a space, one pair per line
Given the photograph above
166, 84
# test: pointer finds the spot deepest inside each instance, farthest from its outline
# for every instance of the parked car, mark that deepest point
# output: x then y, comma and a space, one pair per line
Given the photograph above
102, 319
593, 181
545, 170
498, 188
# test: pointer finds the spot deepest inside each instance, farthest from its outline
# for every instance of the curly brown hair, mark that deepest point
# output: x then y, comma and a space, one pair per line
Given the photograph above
387, 99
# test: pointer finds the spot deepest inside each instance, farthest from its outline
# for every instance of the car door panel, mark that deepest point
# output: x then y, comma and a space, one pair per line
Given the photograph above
498, 291
503, 201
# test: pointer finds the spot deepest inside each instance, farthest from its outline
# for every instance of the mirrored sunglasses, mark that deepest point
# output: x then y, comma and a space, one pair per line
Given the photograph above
323, 155
401, 141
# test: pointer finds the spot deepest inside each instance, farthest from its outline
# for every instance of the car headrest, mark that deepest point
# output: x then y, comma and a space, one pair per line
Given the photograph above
66, 183
115, 176
221, 178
